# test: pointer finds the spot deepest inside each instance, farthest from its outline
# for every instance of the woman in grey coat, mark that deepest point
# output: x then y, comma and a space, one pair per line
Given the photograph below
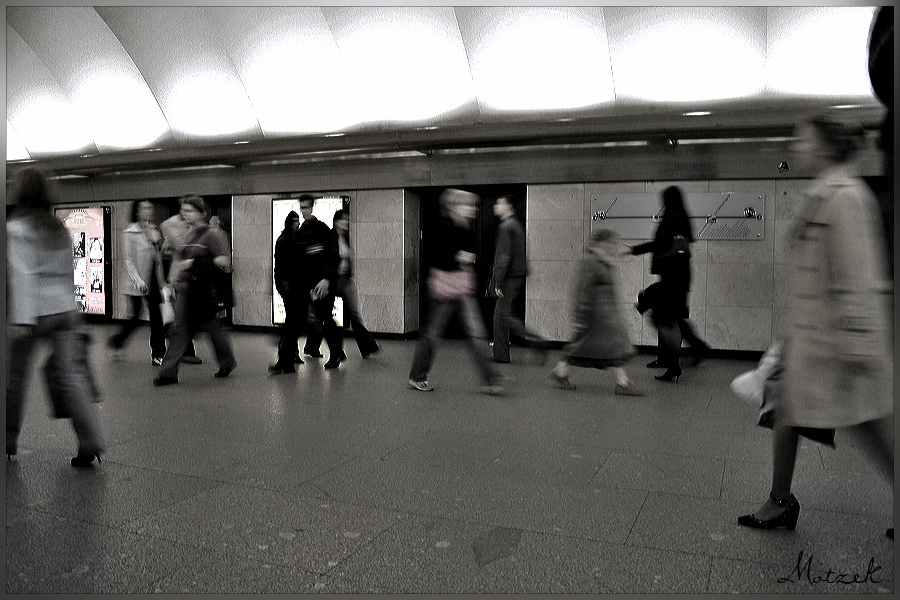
838, 369
600, 340
142, 278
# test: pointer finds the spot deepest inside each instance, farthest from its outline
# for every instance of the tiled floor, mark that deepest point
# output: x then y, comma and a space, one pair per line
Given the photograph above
348, 481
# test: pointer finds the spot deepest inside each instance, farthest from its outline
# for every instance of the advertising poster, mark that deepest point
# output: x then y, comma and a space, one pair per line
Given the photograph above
89, 227
323, 210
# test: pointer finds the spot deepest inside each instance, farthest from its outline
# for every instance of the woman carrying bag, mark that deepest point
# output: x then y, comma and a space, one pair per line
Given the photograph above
142, 279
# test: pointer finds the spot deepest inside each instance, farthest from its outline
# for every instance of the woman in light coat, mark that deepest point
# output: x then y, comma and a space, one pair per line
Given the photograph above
142, 279
41, 306
600, 340
838, 367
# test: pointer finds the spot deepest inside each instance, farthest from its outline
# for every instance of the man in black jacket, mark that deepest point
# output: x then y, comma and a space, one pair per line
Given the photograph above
318, 257
287, 284
510, 269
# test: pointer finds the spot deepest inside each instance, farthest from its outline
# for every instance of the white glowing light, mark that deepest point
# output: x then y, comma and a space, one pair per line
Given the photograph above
51, 126
298, 87
120, 111
820, 51
408, 67
15, 148
689, 61
209, 104
544, 59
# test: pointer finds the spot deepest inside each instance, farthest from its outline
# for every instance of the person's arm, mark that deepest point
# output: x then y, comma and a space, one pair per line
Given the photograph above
331, 259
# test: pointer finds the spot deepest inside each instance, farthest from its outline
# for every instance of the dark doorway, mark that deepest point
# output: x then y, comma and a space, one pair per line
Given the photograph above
486, 226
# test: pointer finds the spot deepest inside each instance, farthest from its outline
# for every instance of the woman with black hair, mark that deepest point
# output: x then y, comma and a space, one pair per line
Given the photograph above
671, 260
142, 279
41, 305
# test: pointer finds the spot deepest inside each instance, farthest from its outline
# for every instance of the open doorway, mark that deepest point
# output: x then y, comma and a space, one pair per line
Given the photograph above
485, 231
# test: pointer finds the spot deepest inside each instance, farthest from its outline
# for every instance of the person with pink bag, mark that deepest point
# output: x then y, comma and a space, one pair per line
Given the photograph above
451, 290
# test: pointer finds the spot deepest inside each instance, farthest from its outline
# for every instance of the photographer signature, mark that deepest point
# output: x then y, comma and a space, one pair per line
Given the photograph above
831, 576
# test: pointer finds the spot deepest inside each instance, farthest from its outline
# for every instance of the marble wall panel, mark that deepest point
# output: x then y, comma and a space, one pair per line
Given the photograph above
381, 314
550, 280
549, 318
555, 240
555, 202
738, 328
411, 278
410, 316
379, 239
380, 276
254, 209
740, 285
789, 198
378, 206
742, 251
781, 285
779, 322
253, 308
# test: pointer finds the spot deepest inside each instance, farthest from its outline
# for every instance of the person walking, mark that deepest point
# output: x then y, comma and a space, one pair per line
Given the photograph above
287, 284
173, 231
451, 287
142, 279
838, 365
204, 258
671, 256
41, 306
508, 281
600, 337
346, 291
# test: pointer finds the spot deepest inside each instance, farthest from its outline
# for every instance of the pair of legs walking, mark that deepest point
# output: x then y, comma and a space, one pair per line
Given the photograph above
182, 336
69, 381
365, 341
506, 322
297, 307
476, 335
157, 329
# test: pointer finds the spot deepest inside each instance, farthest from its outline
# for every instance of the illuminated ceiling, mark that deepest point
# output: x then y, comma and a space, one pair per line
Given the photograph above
107, 79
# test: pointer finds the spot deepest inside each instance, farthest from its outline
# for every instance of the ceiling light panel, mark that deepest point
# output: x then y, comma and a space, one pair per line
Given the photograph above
37, 107
687, 54
291, 67
402, 63
819, 51
178, 51
103, 84
537, 58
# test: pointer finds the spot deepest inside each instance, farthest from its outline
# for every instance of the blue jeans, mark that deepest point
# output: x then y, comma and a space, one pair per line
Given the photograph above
476, 334
68, 380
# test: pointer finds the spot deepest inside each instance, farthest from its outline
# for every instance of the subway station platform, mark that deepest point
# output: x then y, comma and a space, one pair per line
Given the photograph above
348, 481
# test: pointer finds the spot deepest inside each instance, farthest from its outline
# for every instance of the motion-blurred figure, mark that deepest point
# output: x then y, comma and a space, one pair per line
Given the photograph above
510, 270
198, 301
451, 287
41, 305
838, 368
173, 231
881, 76
600, 337
142, 279
287, 284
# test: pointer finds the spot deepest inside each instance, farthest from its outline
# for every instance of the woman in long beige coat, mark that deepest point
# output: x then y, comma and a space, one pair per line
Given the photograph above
837, 357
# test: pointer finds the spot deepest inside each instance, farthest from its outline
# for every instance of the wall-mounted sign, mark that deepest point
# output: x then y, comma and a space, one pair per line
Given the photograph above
713, 215
323, 210
89, 228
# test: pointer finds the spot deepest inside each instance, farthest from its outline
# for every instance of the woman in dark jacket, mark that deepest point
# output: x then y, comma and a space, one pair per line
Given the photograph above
671, 261
451, 286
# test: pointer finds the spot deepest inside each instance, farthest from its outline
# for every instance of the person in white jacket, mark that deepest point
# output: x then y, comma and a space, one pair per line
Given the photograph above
142, 279
41, 305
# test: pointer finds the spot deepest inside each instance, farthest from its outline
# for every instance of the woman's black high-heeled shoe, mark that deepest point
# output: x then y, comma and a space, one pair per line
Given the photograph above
787, 519
85, 460
670, 374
